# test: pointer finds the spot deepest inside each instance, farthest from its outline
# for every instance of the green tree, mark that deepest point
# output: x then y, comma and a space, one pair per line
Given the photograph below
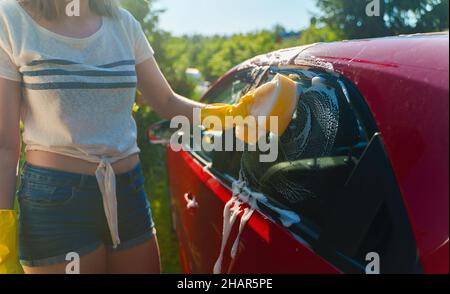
314, 34
168, 52
349, 19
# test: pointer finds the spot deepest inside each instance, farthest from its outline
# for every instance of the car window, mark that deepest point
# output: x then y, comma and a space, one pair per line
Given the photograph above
321, 145
229, 90
230, 93
333, 172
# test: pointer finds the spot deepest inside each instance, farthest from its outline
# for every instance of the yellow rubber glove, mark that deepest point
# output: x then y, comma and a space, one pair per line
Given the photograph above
9, 261
277, 98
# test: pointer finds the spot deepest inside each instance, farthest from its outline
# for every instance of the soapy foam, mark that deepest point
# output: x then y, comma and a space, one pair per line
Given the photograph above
248, 212
242, 194
230, 213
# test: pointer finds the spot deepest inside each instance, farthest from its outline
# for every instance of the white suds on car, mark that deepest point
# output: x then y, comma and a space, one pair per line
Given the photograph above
232, 210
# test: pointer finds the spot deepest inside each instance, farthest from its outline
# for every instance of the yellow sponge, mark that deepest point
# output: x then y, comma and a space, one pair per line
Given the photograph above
277, 98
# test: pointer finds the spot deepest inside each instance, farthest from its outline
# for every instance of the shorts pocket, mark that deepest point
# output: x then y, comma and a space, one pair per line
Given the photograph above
45, 194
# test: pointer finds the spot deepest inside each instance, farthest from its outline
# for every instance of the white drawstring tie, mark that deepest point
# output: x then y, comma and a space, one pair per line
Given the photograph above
107, 183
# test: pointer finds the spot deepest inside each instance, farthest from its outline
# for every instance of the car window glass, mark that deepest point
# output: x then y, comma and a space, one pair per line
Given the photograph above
231, 88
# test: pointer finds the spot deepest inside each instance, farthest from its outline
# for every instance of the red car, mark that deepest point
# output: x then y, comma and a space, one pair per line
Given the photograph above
369, 185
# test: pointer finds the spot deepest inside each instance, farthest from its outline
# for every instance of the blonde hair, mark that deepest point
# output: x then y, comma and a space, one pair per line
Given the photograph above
52, 9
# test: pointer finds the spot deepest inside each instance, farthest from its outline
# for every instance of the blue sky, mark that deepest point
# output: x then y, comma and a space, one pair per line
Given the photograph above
233, 16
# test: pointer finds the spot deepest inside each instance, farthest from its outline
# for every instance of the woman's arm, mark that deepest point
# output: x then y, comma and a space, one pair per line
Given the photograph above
157, 93
10, 100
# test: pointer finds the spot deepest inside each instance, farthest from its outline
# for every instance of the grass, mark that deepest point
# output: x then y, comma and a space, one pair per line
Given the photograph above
153, 163
154, 166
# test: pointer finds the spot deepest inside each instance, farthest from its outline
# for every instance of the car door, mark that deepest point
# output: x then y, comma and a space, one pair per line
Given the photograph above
347, 220
198, 201
266, 245
197, 209
354, 214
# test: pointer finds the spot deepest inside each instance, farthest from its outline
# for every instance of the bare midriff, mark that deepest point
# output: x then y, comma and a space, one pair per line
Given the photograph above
74, 165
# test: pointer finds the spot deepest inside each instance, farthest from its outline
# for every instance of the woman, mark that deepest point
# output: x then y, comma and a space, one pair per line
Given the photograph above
72, 80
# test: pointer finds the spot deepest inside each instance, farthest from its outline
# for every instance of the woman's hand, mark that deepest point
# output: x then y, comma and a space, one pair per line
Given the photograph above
157, 93
10, 101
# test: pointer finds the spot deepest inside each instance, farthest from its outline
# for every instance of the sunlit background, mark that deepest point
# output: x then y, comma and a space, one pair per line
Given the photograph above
197, 41
210, 17
205, 38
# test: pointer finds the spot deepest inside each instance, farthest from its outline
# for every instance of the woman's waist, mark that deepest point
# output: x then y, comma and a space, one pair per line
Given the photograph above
69, 164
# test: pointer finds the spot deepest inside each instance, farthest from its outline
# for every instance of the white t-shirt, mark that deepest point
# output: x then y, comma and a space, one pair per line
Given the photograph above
78, 94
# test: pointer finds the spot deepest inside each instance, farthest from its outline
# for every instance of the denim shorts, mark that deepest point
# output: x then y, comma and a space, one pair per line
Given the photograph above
62, 212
